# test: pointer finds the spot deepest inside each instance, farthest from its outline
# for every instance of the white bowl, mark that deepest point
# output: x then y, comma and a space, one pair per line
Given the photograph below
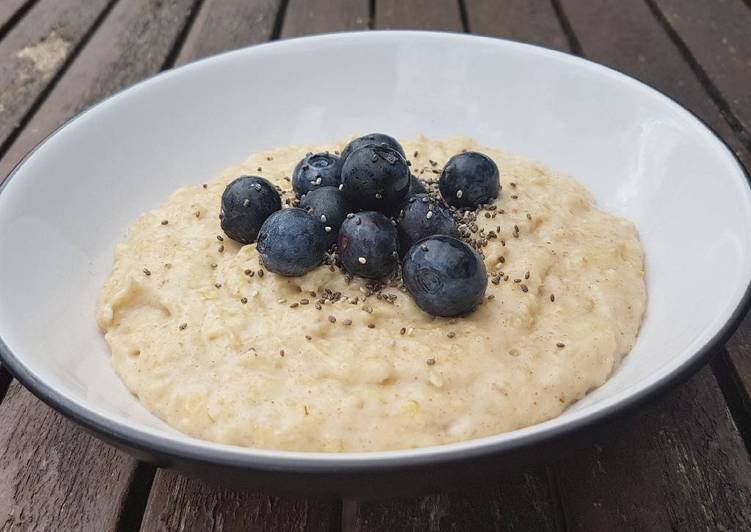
642, 155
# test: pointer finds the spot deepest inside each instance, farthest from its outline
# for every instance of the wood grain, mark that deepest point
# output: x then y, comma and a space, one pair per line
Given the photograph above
306, 17
223, 25
736, 368
181, 503
530, 21
516, 503
718, 37
35, 50
675, 468
55, 476
626, 36
418, 15
132, 44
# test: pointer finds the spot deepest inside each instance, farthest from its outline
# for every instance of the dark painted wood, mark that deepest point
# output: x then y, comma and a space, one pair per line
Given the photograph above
223, 25
530, 21
680, 466
306, 17
35, 50
181, 503
132, 44
718, 36
418, 15
55, 476
627, 36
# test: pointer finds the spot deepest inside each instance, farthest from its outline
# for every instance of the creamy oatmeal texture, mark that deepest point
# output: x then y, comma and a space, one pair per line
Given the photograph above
222, 352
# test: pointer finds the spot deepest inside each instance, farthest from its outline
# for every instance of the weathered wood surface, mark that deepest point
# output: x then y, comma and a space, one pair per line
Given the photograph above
132, 44
35, 50
515, 503
55, 476
10, 12
181, 503
672, 468
627, 36
716, 36
219, 22
533, 22
304, 17
418, 15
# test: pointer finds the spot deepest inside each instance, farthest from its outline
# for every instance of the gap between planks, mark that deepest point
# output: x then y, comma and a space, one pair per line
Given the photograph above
709, 86
49, 87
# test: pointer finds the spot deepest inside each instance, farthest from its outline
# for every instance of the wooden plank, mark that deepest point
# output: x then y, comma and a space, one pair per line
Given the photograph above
181, 503
533, 22
675, 468
735, 367
626, 36
519, 502
222, 25
55, 476
35, 50
304, 17
418, 15
718, 37
9, 10
131, 44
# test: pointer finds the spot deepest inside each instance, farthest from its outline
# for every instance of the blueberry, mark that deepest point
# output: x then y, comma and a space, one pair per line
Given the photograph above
329, 206
416, 186
246, 203
422, 216
375, 178
291, 243
445, 276
317, 170
368, 245
377, 139
469, 179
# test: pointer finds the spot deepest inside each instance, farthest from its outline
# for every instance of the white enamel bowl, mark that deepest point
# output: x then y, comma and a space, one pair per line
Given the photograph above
642, 155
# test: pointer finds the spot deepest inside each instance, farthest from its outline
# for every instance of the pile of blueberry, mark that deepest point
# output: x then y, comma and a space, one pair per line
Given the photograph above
378, 219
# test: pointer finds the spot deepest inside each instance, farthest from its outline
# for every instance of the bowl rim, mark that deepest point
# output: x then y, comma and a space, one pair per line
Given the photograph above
318, 462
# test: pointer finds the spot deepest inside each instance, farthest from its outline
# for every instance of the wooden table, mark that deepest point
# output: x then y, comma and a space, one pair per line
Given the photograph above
681, 464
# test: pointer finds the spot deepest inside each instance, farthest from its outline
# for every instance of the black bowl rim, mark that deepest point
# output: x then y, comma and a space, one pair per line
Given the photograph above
252, 459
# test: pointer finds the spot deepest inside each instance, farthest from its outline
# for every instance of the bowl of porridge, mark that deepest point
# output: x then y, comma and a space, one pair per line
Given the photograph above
469, 255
